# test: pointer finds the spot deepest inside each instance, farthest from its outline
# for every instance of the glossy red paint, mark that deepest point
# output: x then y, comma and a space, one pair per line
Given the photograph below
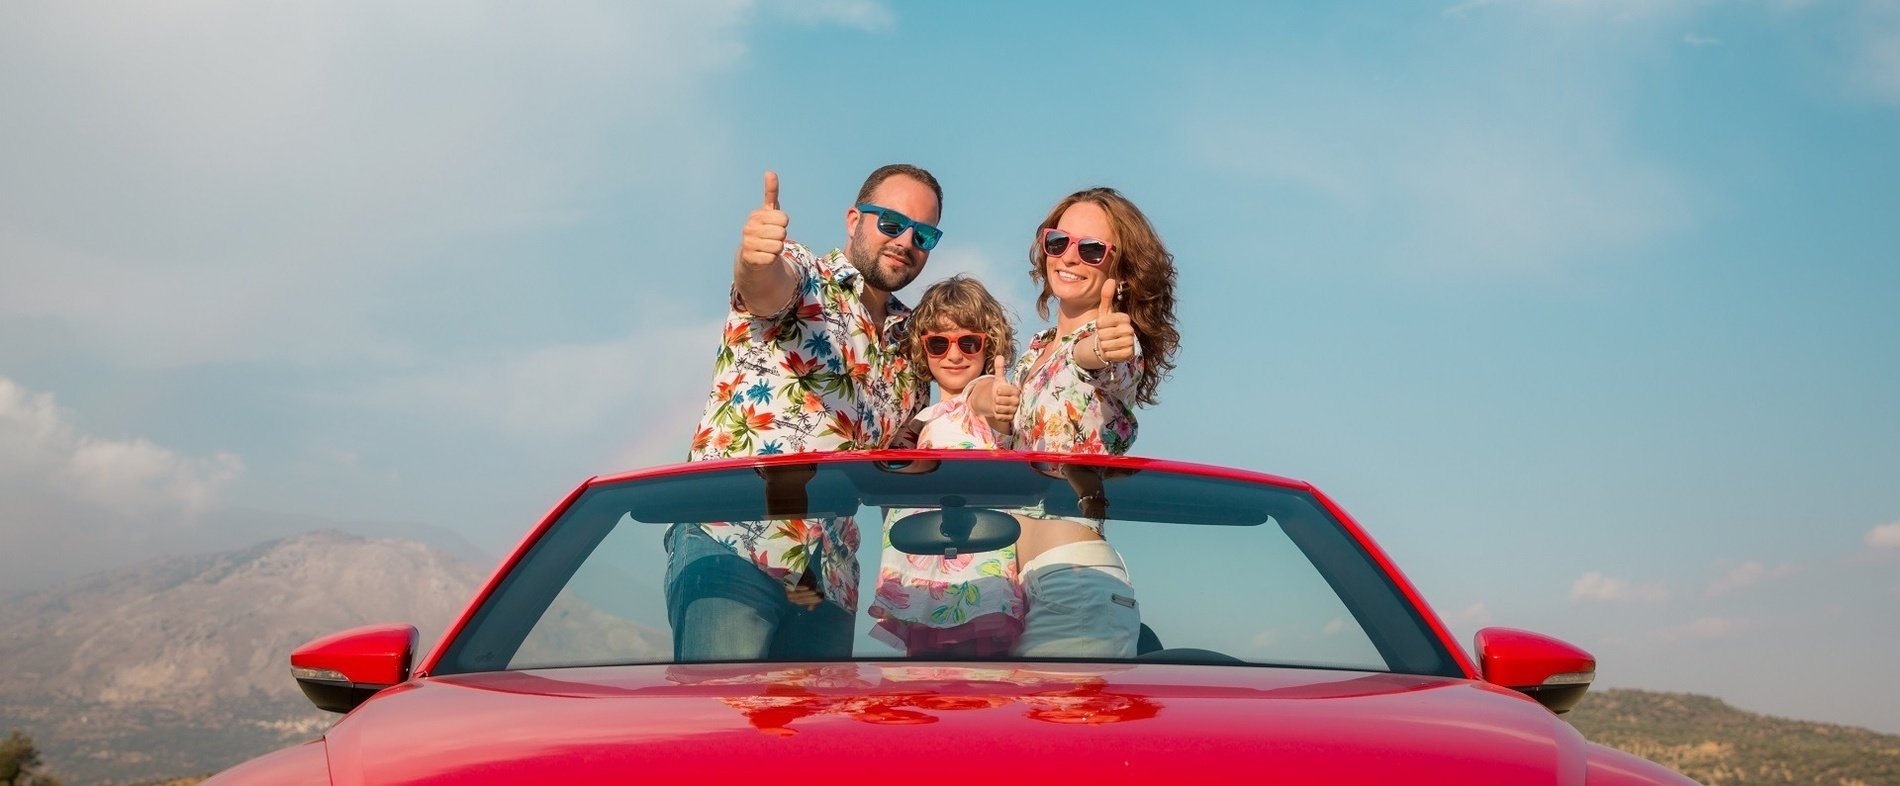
1091, 723
302, 765
369, 655
1522, 659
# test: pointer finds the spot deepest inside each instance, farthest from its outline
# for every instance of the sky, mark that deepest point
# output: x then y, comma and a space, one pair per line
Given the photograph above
1585, 310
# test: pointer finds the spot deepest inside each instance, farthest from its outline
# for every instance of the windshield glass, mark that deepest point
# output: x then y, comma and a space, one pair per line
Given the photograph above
946, 559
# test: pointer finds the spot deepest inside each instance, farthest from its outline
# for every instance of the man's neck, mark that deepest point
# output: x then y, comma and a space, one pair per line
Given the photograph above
877, 303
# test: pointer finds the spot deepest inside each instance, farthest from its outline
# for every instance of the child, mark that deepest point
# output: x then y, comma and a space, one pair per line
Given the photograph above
970, 605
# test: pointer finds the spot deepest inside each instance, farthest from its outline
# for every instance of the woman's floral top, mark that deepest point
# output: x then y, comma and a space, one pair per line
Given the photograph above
816, 376
970, 604
1069, 409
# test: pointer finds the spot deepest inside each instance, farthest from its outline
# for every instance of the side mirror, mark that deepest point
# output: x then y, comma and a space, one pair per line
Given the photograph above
1553, 672
341, 670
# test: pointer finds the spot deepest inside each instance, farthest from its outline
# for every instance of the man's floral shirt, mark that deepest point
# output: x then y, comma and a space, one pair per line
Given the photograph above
813, 377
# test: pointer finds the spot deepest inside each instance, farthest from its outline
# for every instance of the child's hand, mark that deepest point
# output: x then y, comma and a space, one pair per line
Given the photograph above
1114, 333
764, 237
804, 597
1004, 396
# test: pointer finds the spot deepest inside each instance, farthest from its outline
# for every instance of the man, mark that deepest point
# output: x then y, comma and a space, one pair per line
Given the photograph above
810, 362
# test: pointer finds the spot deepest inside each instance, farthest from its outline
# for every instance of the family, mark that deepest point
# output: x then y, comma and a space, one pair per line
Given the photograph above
819, 355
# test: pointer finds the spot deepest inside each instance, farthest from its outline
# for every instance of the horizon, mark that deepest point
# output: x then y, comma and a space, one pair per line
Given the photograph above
1584, 310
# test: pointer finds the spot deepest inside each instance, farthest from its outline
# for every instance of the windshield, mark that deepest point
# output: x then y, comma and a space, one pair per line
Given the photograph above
980, 558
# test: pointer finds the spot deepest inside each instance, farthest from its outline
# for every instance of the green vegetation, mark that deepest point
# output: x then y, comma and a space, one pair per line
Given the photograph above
20, 763
1718, 745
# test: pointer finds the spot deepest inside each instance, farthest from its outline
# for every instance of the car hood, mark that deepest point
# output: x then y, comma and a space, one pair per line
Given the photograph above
1044, 723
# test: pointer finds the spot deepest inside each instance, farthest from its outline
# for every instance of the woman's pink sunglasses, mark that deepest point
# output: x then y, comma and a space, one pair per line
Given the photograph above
1092, 251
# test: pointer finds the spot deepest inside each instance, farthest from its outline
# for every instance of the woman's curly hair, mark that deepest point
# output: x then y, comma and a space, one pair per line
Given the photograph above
1145, 269
959, 302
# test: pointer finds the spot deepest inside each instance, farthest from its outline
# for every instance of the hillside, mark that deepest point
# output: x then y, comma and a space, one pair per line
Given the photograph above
1719, 745
106, 672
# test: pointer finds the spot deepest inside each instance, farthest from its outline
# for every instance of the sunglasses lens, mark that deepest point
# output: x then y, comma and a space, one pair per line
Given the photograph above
936, 345
890, 223
927, 236
1054, 242
970, 345
1092, 251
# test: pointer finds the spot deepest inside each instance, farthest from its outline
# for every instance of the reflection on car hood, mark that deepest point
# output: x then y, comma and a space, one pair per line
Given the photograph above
1045, 723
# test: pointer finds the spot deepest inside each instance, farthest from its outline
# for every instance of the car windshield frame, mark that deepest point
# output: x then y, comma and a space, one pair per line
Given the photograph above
1406, 633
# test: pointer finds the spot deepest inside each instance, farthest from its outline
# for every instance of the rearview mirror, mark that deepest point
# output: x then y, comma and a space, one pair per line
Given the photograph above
954, 529
341, 670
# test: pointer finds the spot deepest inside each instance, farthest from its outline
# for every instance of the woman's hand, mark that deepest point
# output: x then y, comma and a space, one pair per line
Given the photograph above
1114, 333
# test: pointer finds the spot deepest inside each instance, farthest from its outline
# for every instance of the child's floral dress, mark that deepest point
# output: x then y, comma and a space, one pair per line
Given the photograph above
968, 605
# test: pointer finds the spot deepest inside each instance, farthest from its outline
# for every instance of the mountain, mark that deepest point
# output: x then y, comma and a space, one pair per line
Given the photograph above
180, 665
1719, 745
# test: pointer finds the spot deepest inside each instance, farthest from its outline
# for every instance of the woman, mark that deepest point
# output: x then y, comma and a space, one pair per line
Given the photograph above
1112, 282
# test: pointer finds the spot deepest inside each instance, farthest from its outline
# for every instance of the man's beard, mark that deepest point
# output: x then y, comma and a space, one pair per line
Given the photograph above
865, 252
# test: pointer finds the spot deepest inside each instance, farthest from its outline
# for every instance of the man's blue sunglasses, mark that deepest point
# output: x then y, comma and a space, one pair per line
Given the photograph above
893, 223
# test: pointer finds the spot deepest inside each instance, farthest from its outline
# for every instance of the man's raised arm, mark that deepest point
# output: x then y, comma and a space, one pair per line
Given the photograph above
763, 279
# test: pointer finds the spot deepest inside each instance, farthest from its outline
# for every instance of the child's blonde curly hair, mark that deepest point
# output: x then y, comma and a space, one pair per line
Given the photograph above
959, 302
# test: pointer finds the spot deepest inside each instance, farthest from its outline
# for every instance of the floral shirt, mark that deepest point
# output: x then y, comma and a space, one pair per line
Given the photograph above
1069, 409
815, 376
969, 604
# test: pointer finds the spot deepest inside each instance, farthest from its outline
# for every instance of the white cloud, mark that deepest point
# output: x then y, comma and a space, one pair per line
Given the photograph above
1474, 615
1885, 536
219, 181
1700, 41
1596, 587
1554, 182
867, 15
39, 445
1334, 627
1748, 574
1876, 55
565, 389
1465, 8
1618, 10
71, 501
138, 473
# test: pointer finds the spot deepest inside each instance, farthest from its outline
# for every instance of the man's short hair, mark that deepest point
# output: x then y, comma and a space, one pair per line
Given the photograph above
885, 172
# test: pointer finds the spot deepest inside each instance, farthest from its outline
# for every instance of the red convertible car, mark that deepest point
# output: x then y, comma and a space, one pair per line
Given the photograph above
1276, 643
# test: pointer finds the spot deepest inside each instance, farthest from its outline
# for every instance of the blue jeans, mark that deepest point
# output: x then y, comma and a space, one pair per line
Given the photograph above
722, 607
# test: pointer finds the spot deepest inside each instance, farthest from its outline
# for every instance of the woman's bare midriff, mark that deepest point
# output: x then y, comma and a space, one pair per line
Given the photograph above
1040, 535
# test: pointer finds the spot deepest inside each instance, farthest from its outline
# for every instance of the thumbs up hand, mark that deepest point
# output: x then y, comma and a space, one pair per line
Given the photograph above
1114, 332
764, 236
1005, 396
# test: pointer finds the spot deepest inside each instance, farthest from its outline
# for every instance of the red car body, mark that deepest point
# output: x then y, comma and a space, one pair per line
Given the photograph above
990, 722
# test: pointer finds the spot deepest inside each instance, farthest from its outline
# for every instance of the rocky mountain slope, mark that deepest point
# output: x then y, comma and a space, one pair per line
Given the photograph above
180, 665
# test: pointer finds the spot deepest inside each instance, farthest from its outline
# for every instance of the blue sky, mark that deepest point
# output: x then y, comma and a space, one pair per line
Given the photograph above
1584, 309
